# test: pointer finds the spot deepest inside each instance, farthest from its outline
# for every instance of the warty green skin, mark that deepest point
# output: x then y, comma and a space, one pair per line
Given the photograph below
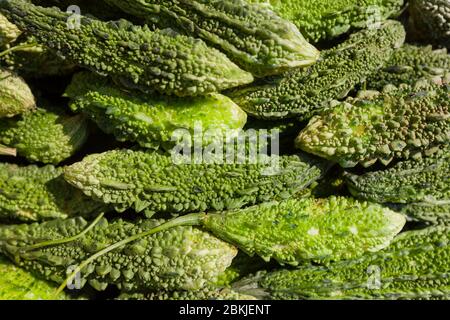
202, 294
31, 193
414, 266
17, 284
15, 95
430, 21
399, 123
320, 20
154, 182
35, 61
426, 180
182, 258
151, 120
46, 135
8, 31
137, 57
251, 35
298, 230
304, 92
409, 64
433, 213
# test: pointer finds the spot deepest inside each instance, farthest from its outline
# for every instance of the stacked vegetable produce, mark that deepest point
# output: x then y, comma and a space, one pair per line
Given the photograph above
128, 168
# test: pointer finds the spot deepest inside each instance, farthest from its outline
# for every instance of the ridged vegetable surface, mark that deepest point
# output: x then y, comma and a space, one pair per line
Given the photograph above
183, 258
435, 213
154, 182
17, 284
15, 95
430, 20
409, 64
414, 266
151, 120
203, 294
150, 60
299, 230
8, 31
45, 135
320, 20
405, 122
303, 92
250, 34
408, 181
31, 193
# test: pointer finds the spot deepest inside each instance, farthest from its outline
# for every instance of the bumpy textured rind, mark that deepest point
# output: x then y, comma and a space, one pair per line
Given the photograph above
150, 60
151, 120
203, 294
31, 194
430, 21
299, 230
251, 35
15, 95
414, 266
17, 284
8, 31
153, 181
435, 213
407, 181
405, 122
45, 135
320, 20
409, 64
36, 61
303, 92
182, 258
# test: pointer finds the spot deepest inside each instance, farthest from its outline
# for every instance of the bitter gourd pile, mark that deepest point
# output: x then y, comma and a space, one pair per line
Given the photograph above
224, 149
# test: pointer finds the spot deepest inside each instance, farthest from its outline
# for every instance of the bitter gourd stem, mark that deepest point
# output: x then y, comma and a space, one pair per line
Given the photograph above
6, 151
18, 48
65, 240
187, 220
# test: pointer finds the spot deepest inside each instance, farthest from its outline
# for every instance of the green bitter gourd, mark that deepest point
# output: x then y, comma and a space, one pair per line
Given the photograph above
15, 95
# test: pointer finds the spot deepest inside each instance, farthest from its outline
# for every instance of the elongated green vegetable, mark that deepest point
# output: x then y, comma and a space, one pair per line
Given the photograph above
8, 31
17, 284
15, 95
405, 122
291, 232
203, 294
46, 135
409, 64
414, 266
427, 180
183, 258
304, 92
150, 60
434, 213
321, 20
155, 182
250, 34
151, 120
30, 193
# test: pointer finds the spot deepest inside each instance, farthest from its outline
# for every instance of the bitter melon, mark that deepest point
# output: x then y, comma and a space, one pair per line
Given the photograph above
15, 95
150, 60
183, 258
303, 92
46, 135
31, 193
430, 21
414, 266
17, 284
156, 182
150, 120
405, 122
203, 294
251, 35
408, 181
8, 31
321, 20
409, 64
